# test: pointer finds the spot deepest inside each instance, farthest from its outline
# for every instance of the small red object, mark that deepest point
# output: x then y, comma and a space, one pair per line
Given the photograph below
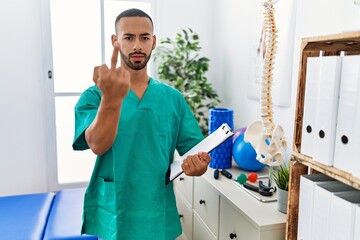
252, 177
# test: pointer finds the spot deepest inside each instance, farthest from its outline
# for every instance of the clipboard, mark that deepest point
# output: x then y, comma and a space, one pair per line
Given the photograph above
206, 145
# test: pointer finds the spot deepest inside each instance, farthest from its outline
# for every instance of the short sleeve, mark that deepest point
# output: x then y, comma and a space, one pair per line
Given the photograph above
85, 113
190, 133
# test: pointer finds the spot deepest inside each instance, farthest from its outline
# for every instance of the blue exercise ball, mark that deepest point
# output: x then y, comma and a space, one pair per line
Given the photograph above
245, 156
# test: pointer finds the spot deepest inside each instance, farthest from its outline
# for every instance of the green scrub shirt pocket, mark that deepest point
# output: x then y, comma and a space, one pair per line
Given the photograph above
106, 195
100, 209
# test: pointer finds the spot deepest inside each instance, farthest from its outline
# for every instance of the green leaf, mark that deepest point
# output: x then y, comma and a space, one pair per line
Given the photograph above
280, 175
181, 66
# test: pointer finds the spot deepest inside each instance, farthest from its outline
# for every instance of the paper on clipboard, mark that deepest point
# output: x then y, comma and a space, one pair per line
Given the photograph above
207, 145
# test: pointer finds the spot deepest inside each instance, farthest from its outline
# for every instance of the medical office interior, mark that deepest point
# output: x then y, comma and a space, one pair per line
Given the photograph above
48, 49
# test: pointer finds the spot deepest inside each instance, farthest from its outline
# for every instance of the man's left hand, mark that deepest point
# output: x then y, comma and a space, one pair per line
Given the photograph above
196, 165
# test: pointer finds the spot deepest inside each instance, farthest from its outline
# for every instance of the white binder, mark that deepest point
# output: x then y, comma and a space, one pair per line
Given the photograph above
347, 143
311, 88
357, 223
307, 185
321, 207
326, 109
342, 215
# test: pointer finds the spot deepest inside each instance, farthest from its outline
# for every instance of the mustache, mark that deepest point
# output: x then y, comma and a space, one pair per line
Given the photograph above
137, 53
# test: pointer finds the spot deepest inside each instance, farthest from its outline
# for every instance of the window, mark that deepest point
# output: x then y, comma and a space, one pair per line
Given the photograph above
81, 39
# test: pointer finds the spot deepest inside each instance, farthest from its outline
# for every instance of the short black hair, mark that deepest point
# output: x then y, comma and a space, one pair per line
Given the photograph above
132, 12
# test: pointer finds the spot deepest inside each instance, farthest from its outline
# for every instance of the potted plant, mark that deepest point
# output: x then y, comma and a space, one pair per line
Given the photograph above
280, 176
180, 65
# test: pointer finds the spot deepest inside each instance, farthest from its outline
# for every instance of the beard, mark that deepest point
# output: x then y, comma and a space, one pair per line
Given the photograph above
137, 65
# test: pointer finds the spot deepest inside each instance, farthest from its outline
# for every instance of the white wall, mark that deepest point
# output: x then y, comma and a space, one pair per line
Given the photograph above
224, 27
201, 16
236, 41
22, 133
312, 18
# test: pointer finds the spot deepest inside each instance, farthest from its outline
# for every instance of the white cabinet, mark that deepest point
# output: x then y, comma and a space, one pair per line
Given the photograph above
221, 210
201, 231
234, 225
183, 186
206, 203
185, 214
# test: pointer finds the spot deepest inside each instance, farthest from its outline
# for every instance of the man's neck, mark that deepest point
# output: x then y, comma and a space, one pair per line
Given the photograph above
139, 82
139, 77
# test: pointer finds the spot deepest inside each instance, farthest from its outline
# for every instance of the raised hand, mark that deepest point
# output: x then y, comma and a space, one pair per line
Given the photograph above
114, 83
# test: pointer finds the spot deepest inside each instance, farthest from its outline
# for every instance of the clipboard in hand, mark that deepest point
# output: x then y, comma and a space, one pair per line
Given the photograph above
207, 145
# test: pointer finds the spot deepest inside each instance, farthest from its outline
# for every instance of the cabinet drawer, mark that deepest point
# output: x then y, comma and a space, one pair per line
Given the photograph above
185, 214
233, 225
206, 203
184, 184
201, 231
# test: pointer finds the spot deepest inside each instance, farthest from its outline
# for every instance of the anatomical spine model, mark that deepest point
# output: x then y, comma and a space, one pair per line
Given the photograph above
267, 138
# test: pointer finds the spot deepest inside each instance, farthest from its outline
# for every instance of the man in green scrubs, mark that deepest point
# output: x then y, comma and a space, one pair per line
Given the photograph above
134, 123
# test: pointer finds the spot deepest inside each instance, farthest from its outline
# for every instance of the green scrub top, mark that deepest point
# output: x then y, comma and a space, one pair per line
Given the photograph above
127, 198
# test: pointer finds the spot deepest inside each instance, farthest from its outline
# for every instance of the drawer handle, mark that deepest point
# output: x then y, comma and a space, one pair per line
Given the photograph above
180, 215
202, 201
181, 179
232, 235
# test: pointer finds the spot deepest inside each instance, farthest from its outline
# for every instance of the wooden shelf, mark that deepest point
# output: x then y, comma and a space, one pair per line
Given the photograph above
330, 45
333, 172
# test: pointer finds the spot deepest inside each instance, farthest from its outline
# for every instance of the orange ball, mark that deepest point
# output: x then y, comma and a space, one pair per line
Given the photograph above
252, 177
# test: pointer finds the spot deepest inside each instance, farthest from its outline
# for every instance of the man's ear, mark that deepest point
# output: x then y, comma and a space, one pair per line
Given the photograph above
113, 39
154, 42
